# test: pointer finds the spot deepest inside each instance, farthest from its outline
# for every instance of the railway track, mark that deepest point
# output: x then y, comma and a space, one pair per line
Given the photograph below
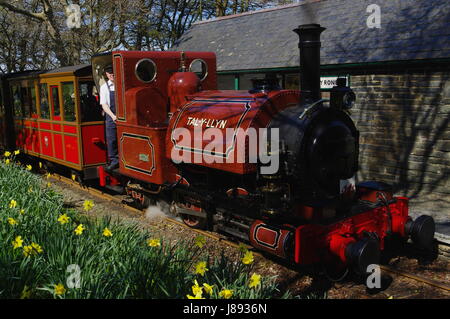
105, 196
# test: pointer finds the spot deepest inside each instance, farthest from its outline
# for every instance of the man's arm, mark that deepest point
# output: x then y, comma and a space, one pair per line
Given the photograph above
108, 111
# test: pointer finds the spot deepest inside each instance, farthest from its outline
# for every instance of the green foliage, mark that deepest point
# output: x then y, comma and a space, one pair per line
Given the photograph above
123, 265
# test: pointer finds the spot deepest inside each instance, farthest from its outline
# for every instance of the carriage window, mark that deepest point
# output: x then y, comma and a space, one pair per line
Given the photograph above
69, 101
55, 100
33, 98
199, 67
145, 70
17, 101
44, 101
90, 108
26, 99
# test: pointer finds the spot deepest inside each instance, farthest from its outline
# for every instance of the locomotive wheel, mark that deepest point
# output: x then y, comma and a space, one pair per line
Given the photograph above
194, 221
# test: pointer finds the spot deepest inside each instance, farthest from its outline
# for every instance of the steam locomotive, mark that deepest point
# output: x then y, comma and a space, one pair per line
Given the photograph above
266, 165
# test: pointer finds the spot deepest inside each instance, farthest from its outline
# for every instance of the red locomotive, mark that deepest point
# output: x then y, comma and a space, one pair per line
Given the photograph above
266, 165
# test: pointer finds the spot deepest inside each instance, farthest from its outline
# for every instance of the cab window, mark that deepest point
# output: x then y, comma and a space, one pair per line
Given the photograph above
69, 101
43, 94
90, 108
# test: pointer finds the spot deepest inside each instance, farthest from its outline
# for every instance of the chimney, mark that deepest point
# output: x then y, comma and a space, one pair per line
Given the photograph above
309, 46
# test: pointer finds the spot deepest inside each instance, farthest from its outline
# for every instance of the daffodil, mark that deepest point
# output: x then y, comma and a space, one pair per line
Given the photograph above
79, 229
40, 164
248, 258
16, 152
88, 204
208, 288
7, 154
154, 242
37, 248
7, 161
26, 293
200, 241
29, 167
226, 293
63, 219
12, 221
74, 177
48, 175
200, 268
28, 250
17, 242
107, 232
59, 289
195, 297
255, 280
196, 289
12, 203
22, 211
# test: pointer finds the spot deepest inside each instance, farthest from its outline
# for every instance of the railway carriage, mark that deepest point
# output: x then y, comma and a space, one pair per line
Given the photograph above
57, 118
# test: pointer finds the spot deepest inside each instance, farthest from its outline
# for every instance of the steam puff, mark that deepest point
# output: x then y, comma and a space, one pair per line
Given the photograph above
158, 211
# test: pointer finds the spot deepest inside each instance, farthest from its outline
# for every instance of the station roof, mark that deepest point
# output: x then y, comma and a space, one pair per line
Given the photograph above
410, 30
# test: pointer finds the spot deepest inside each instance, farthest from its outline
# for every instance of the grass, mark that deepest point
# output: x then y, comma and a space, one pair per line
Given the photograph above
53, 261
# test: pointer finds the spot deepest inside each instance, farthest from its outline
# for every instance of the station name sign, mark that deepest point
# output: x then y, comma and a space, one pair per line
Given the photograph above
327, 82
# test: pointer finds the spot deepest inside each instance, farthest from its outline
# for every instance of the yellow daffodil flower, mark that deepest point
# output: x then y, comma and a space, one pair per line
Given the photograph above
29, 167
255, 280
7, 161
48, 175
200, 241
28, 250
208, 288
37, 248
22, 211
226, 293
40, 164
200, 268
12, 204
195, 297
154, 242
248, 258
63, 219
107, 232
16, 152
17, 242
59, 289
88, 204
12, 221
7, 154
197, 291
79, 229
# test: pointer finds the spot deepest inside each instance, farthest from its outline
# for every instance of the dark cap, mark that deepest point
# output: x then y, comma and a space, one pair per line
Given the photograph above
109, 68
